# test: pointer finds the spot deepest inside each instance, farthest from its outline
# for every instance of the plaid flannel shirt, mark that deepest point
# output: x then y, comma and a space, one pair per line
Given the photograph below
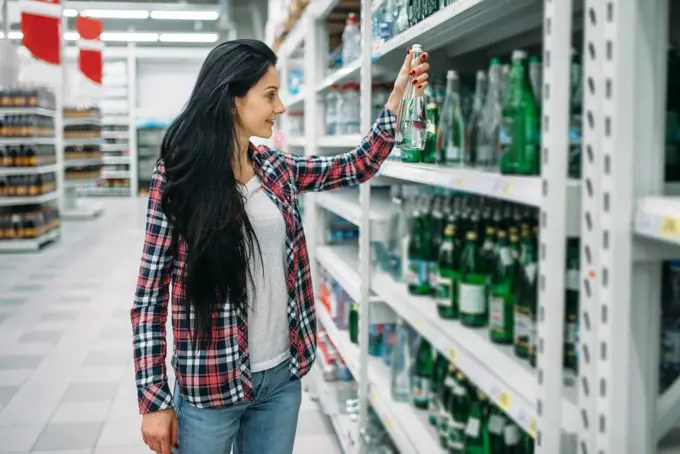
221, 376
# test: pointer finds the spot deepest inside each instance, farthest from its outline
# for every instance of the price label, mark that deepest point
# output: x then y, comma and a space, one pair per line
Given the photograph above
504, 401
452, 355
506, 188
532, 427
670, 226
458, 183
388, 424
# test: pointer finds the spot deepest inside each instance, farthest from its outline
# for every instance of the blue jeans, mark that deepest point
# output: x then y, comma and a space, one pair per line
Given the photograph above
266, 425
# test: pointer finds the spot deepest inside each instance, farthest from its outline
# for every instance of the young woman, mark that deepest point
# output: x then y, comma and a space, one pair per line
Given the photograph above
223, 225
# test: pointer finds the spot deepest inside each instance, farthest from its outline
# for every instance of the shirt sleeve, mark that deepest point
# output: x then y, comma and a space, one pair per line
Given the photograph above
150, 309
322, 173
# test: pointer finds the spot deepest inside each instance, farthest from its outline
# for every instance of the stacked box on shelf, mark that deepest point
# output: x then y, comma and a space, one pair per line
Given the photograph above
29, 215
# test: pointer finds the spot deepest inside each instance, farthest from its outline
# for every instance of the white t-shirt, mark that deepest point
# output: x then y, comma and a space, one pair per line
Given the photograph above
268, 334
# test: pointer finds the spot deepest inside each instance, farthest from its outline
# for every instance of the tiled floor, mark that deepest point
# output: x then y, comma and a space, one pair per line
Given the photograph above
66, 375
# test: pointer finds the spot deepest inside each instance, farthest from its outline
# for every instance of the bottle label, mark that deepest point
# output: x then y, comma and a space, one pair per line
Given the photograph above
456, 435
420, 389
572, 280
453, 154
521, 327
506, 258
496, 313
530, 271
458, 390
472, 428
416, 272
444, 290
570, 333
496, 424
471, 298
511, 435
450, 382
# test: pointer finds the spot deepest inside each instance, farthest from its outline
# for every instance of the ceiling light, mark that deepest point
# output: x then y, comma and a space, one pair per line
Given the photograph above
68, 12
13, 35
185, 15
116, 13
130, 37
188, 37
71, 36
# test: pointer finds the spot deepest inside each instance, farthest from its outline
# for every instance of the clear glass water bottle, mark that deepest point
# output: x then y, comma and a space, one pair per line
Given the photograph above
412, 124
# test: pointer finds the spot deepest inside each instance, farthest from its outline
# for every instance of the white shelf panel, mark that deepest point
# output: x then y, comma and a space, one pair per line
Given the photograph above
116, 159
8, 171
122, 135
509, 381
659, 218
340, 141
105, 192
82, 121
76, 183
296, 141
115, 174
345, 203
471, 24
115, 121
342, 263
29, 200
348, 73
295, 102
29, 245
27, 141
82, 142
294, 38
113, 147
518, 189
82, 162
27, 111
406, 425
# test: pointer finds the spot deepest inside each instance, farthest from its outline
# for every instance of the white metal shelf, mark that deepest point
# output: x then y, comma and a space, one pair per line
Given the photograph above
82, 162
340, 141
345, 203
506, 379
28, 200
27, 141
115, 174
116, 159
407, 426
85, 121
347, 73
39, 170
341, 262
88, 141
32, 245
27, 111
659, 218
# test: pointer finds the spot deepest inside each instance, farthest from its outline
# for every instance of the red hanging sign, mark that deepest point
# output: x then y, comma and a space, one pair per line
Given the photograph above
90, 60
41, 28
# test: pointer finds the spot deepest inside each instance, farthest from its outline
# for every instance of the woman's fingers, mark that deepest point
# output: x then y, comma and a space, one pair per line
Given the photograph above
420, 79
420, 69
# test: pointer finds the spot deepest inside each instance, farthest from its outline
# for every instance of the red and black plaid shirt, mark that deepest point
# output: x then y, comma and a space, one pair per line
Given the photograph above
221, 376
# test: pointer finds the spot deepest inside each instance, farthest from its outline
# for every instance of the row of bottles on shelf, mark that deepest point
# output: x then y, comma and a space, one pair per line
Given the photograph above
83, 172
88, 112
82, 151
27, 185
85, 131
467, 421
27, 97
495, 127
478, 258
26, 126
24, 223
392, 17
343, 109
27, 155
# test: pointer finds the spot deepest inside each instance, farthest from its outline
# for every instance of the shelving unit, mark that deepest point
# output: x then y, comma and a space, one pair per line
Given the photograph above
33, 186
627, 220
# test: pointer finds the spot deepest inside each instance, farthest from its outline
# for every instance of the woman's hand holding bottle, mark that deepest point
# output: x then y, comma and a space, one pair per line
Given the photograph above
411, 72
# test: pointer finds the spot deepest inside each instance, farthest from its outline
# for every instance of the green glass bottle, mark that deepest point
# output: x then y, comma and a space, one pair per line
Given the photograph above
421, 373
473, 284
438, 223
353, 323
510, 132
531, 271
529, 116
476, 431
459, 408
428, 254
441, 365
496, 425
525, 296
432, 119
447, 283
417, 272
502, 293
512, 439
451, 131
445, 395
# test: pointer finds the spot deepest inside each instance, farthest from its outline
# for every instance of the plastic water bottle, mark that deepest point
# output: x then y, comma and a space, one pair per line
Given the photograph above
332, 111
350, 115
351, 40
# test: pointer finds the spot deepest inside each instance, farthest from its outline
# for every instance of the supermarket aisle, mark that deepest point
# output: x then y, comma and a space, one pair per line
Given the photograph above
66, 375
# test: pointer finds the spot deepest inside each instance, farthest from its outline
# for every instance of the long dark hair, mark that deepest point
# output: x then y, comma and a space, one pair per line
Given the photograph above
202, 199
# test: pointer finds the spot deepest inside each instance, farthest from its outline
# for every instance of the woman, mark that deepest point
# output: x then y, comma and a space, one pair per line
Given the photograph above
223, 225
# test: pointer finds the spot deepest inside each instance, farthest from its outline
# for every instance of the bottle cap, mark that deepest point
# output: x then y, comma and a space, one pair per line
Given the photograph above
451, 74
495, 61
416, 48
519, 55
481, 75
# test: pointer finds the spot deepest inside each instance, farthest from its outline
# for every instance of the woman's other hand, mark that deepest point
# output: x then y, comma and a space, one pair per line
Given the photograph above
410, 68
159, 430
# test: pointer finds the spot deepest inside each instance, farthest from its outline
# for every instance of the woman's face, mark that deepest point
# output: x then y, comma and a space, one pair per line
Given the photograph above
258, 109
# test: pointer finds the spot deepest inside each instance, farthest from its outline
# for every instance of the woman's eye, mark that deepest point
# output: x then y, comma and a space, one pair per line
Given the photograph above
271, 96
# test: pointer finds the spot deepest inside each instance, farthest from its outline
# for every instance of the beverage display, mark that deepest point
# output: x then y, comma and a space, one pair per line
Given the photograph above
27, 223
412, 118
